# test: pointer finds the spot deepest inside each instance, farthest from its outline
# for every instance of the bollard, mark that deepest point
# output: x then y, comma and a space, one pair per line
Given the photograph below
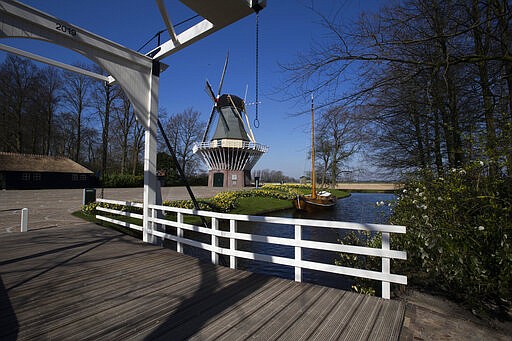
24, 220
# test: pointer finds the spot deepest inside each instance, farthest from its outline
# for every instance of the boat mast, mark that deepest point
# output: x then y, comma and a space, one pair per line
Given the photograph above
313, 177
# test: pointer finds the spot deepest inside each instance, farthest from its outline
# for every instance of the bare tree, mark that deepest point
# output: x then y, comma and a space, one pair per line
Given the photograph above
51, 85
427, 73
76, 98
17, 85
183, 130
124, 123
338, 138
104, 96
137, 145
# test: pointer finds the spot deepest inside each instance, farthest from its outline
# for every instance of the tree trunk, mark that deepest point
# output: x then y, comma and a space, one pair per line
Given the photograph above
482, 49
438, 156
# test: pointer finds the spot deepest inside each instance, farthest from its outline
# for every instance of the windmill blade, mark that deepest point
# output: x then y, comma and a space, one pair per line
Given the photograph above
209, 91
209, 123
223, 74
251, 134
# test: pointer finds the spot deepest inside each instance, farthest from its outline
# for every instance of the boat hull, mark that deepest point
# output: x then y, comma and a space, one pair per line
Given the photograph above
307, 203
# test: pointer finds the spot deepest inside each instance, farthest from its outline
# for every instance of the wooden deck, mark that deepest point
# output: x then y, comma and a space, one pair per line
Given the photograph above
88, 282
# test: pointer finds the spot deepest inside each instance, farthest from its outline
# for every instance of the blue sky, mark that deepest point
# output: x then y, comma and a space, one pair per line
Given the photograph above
287, 28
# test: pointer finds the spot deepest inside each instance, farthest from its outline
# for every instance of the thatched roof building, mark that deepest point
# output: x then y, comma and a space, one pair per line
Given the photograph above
28, 171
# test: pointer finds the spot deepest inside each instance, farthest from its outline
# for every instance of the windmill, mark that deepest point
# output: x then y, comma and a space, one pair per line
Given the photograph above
231, 152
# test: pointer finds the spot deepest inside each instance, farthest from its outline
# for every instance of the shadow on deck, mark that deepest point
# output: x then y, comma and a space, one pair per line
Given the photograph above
89, 282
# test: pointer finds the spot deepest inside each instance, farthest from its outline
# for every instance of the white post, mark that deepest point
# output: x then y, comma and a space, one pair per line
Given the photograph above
232, 244
386, 267
24, 219
179, 232
215, 241
298, 253
150, 147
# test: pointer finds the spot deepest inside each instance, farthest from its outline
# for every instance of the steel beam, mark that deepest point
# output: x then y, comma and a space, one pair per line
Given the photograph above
167, 21
56, 63
130, 69
217, 14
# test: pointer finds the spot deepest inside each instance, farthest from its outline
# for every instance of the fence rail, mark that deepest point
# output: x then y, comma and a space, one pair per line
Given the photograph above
297, 242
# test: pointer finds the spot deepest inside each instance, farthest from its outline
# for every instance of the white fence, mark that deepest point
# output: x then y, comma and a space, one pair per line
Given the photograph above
214, 247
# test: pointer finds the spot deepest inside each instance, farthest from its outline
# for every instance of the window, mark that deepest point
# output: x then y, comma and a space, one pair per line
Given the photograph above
25, 176
74, 177
36, 176
83, 177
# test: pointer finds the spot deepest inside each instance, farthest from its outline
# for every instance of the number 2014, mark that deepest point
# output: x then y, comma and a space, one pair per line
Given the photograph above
65, 29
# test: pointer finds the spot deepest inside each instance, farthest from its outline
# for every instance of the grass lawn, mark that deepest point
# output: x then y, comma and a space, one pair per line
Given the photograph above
261, 205
256, 205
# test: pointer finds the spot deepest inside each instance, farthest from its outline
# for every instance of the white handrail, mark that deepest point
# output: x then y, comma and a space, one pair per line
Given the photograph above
214, 233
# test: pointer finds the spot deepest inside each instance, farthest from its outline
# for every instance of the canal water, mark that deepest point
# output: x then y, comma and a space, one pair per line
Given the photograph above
359, 207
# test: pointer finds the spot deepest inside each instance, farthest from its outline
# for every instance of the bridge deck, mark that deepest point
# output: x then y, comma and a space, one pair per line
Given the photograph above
88, 282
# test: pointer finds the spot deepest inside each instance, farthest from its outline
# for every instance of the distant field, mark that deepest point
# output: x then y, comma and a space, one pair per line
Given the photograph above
369, 186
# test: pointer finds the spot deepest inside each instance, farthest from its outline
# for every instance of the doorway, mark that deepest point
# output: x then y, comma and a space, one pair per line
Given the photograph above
218, 180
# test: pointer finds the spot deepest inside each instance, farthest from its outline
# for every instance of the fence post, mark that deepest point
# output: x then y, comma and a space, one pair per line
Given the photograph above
298, 253
24, 219
179, 232
232, 244
215, 240
386, 267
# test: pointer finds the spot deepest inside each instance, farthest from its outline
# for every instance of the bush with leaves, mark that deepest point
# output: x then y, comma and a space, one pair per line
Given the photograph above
459, 227
227, 201
123, 181
365, 239
91, 208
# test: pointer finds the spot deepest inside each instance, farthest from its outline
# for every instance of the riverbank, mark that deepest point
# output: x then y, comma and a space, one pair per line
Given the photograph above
370, 186
377, 187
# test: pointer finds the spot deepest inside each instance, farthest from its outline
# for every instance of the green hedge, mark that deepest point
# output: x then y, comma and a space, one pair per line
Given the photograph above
123, 180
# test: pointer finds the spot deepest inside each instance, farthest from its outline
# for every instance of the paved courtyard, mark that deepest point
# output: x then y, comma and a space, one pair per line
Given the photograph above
53, 207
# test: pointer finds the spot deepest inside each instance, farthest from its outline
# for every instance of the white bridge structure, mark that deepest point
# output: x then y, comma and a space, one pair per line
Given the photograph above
137, 74
231, 235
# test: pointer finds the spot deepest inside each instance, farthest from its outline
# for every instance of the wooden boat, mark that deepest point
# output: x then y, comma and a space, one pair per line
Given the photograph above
314, 201
309, 203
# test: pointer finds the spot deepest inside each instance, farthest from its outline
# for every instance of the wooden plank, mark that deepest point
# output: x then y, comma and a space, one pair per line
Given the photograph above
287, 317
363, 319
339, 318
92, 283
305, 325
389, 321
239, 311
268, 313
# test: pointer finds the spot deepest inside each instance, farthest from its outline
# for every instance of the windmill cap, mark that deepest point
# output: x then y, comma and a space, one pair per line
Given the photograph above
224, 101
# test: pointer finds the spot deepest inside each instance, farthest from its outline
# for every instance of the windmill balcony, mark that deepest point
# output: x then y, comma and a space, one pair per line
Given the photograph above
229, 143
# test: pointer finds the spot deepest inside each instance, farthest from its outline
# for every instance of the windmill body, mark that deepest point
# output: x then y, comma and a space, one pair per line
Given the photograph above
231, 152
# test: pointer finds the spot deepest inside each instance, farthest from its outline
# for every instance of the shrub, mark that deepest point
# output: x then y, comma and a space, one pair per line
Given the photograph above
123, 180
366, 239
90, 209
458, 234
228, 201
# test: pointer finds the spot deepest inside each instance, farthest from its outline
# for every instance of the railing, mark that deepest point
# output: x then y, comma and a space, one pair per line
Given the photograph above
214, 247
227, 143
